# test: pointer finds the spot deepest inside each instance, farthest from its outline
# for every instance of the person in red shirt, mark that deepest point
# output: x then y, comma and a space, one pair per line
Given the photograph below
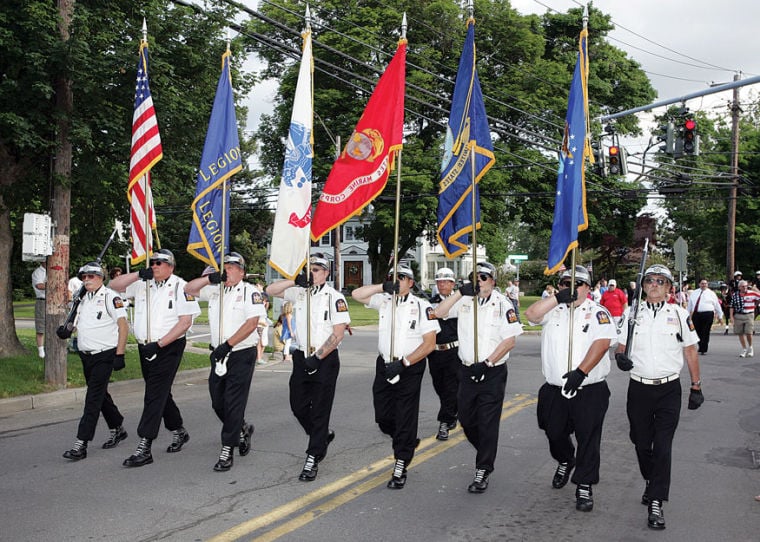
615, 301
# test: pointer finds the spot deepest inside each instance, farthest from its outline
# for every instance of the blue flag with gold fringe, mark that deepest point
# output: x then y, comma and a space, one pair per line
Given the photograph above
570, 216
467, 133
209, 234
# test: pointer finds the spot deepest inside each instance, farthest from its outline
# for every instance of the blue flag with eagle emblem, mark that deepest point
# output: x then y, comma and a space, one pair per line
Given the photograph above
570, 215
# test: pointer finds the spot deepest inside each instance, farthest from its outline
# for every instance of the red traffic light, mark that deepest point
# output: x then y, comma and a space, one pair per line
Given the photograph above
690, 124
614, 151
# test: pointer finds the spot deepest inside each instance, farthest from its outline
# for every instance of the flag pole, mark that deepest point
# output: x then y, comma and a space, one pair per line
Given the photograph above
474, 255
307, 265
225, 225
396, 260
147, 226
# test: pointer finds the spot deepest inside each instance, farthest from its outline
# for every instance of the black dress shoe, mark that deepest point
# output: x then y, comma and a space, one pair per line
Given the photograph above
656, 518
330, 438
117, 435
310, 469
225, 460
443, 431
645, 495
562, 474
142, 455
398, 479
584, 498
179, 439
244, 446
77, 452
480, 482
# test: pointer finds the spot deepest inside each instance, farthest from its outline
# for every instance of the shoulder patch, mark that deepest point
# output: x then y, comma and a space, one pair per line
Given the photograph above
341, 305
430, 313
602, 317
256, 298
511, 316
189, 297
118, 303
690, 323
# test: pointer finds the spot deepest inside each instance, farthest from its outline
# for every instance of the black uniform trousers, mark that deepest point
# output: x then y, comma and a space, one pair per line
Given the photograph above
397, 406
158, 402
444, 370
480, 405
583, 415
653, 412
97, 370
229, 393
311, 398
702, 324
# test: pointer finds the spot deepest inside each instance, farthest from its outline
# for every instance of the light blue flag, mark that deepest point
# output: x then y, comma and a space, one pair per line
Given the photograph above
570, 215
467, 132
209, 234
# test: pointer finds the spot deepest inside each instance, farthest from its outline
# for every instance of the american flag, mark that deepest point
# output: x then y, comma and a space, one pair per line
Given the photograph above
146, 152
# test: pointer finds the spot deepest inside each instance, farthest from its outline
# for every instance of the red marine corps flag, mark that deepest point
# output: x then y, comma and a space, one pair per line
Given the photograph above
146, 152
361, 171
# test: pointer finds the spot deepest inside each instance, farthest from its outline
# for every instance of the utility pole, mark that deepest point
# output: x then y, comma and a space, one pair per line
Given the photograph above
734, 190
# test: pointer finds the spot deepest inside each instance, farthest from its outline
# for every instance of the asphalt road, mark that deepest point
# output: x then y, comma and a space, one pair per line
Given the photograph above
179, 497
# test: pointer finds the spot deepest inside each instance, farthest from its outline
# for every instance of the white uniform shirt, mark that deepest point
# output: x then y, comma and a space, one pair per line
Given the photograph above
98, 313
591, 322
414, 318
241, 302
707, 303
656, 351
497, 321
39, 276
328, 308
168, 301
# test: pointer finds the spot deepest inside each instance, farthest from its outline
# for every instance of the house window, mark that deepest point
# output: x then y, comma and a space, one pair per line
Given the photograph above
326, 240
349, 233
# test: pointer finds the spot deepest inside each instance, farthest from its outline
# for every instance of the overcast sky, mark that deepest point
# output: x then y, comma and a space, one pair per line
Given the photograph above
683, 46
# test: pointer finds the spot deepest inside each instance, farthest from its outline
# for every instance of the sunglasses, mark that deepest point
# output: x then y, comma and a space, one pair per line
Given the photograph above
316, 269
89, 276
567, 283
484, 277
400, 277
156, 262
650, 280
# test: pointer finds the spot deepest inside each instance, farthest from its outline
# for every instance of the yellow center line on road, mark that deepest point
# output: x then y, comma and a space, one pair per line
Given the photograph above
428, 451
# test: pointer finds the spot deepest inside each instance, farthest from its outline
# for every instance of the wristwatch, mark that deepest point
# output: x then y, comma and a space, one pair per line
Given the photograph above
698, 384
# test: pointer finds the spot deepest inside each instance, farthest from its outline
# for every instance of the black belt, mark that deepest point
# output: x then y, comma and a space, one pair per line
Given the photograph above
447, 346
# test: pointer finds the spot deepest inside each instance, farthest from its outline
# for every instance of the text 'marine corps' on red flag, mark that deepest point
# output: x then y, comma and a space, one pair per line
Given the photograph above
145, 153
467, 133
290, 235
210, 231
361, 171
570, 215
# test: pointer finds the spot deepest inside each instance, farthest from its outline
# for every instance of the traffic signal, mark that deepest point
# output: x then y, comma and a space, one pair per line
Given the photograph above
667, 134
600, 162
616, 160
690, 137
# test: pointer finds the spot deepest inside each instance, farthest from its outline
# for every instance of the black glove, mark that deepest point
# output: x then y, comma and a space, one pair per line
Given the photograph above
574, 380
145, 274
390, 287
478, 371
393, 369
63, 332
217, 278
469, 288
624, 363
312, 364
118, 362
303, 280
564, 296
220, 352
150, 351
695, 399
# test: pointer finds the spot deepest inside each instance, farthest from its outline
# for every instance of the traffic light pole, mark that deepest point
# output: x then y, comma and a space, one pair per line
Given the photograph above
734, 190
